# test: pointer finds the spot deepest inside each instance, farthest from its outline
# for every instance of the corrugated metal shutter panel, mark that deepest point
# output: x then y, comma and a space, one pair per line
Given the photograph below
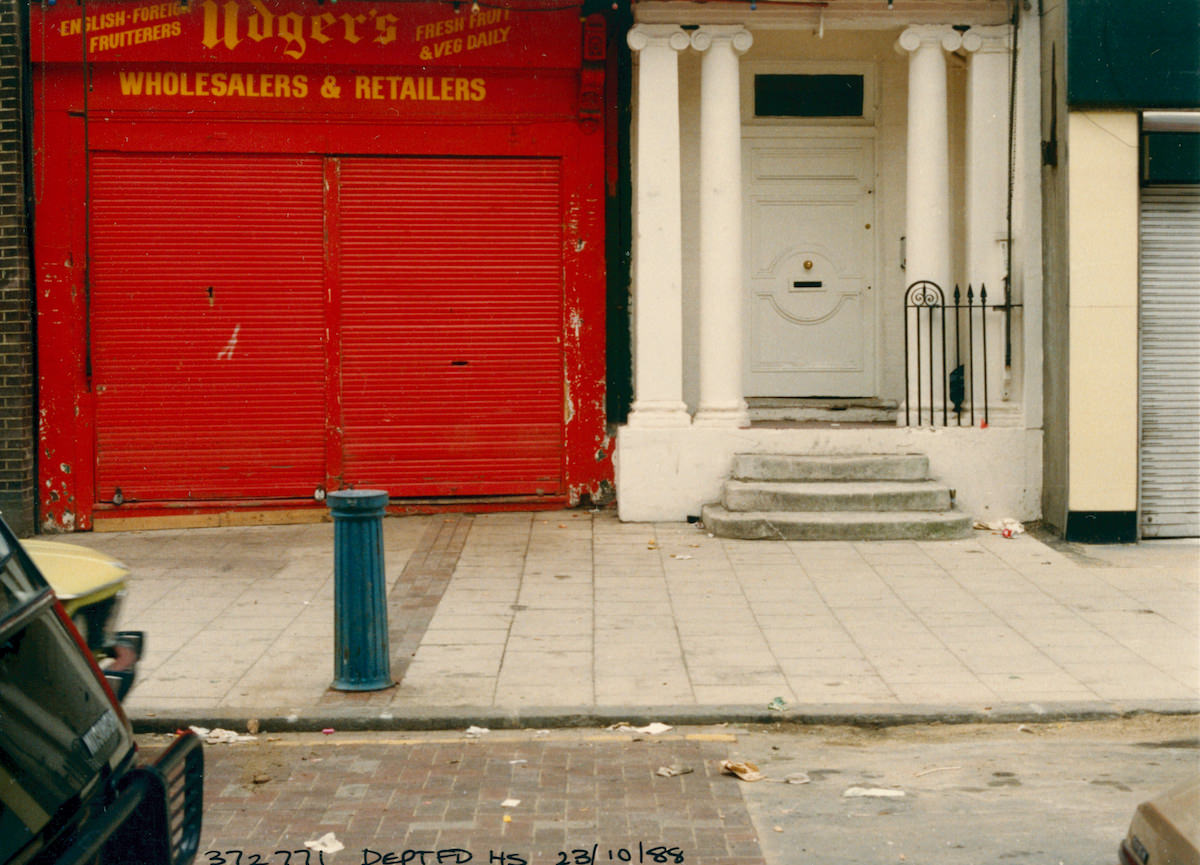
451, 321
1170, 361
207, 326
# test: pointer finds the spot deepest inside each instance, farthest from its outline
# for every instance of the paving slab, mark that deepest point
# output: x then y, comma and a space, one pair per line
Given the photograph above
574, 617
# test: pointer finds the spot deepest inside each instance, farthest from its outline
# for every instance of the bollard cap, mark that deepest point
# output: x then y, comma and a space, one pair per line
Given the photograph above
356, 501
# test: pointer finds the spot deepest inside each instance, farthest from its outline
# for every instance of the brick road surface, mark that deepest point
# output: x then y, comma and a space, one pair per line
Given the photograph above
584, 796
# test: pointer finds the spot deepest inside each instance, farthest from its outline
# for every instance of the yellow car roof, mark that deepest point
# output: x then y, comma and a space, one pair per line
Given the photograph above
72, 570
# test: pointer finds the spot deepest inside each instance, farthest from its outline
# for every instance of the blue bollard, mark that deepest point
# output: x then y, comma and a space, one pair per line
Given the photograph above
360, 625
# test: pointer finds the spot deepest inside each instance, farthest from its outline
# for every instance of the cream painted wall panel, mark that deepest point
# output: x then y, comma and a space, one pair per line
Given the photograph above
1103, 209
1103, 439
1102, 218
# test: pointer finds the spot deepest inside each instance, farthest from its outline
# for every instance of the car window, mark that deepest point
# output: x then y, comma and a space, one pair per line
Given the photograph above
16, 586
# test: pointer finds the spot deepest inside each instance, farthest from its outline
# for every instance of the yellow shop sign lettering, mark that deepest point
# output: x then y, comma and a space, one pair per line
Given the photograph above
101, 21
120, 18
125, 38
225, 27
229, 24
266, 85
215, 84
423, 89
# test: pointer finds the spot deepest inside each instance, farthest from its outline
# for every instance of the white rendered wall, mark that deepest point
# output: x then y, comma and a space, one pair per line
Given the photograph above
996, 473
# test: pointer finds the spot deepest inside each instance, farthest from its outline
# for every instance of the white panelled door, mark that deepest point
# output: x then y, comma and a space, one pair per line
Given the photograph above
810, 266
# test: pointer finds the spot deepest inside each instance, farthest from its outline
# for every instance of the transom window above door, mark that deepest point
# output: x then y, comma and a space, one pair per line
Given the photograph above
808, 95
820, 93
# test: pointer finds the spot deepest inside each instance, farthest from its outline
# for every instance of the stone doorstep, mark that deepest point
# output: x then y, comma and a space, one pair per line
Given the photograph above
835, 526
863, 410
831, 467
835, 496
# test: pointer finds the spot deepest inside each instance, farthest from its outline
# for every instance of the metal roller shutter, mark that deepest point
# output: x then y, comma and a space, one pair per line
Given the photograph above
451, 281
1170, 361
207, 326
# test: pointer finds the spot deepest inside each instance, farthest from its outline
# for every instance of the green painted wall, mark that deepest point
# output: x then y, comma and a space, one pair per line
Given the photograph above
1133, 55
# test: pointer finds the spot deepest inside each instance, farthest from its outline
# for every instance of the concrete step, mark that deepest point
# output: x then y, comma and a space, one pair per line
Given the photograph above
822, 410
835, 496
831, 467
835, 526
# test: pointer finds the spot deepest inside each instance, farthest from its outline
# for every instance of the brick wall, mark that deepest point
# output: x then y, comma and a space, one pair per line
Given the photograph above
17, 483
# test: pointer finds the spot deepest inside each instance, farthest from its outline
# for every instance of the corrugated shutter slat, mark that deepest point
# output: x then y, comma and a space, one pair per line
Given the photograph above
1170, 361
451, 319
207, 326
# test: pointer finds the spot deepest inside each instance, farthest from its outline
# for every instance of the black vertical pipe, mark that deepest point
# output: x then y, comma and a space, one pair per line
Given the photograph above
907, 385
933, 409
983, 341
958, 343
971, 337
945, 383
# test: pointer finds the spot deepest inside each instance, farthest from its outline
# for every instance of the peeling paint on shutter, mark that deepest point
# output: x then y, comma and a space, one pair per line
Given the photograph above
451, 282
1170, 361
206, 326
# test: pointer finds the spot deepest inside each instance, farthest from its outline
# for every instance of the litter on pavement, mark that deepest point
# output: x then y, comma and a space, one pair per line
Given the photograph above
746, 771
1007, 527
221, 736
674, 770
327, 843
872, 793
653, 729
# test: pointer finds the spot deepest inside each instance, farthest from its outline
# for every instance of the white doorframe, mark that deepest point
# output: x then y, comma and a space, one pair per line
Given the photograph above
756, 135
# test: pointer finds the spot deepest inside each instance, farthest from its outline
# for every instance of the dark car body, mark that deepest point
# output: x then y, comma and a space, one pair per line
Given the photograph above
1166, 829
72, 786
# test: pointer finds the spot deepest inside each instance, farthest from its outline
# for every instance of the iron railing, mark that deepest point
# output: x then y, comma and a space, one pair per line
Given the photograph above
932, 328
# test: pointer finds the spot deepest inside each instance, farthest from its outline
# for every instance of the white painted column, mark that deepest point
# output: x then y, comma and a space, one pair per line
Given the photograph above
987, 154
988, 73
658, 245
721, 300
927, 211
927, 207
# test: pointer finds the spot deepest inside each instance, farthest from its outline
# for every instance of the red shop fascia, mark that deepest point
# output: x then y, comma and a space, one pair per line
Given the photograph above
286, 247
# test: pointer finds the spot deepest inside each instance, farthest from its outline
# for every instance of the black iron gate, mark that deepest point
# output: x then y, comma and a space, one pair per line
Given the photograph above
945, 355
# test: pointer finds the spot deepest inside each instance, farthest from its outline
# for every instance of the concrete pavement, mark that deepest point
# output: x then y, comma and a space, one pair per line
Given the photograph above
552, 618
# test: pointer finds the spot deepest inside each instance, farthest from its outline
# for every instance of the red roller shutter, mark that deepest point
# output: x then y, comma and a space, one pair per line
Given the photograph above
207, 326
451, 280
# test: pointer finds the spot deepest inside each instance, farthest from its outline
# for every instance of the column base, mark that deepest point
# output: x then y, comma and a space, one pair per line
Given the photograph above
658, 415
736, 416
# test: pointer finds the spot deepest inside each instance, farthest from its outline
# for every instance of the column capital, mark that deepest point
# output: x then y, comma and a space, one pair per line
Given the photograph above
925, 35
988, 40
642, 36
738, 37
